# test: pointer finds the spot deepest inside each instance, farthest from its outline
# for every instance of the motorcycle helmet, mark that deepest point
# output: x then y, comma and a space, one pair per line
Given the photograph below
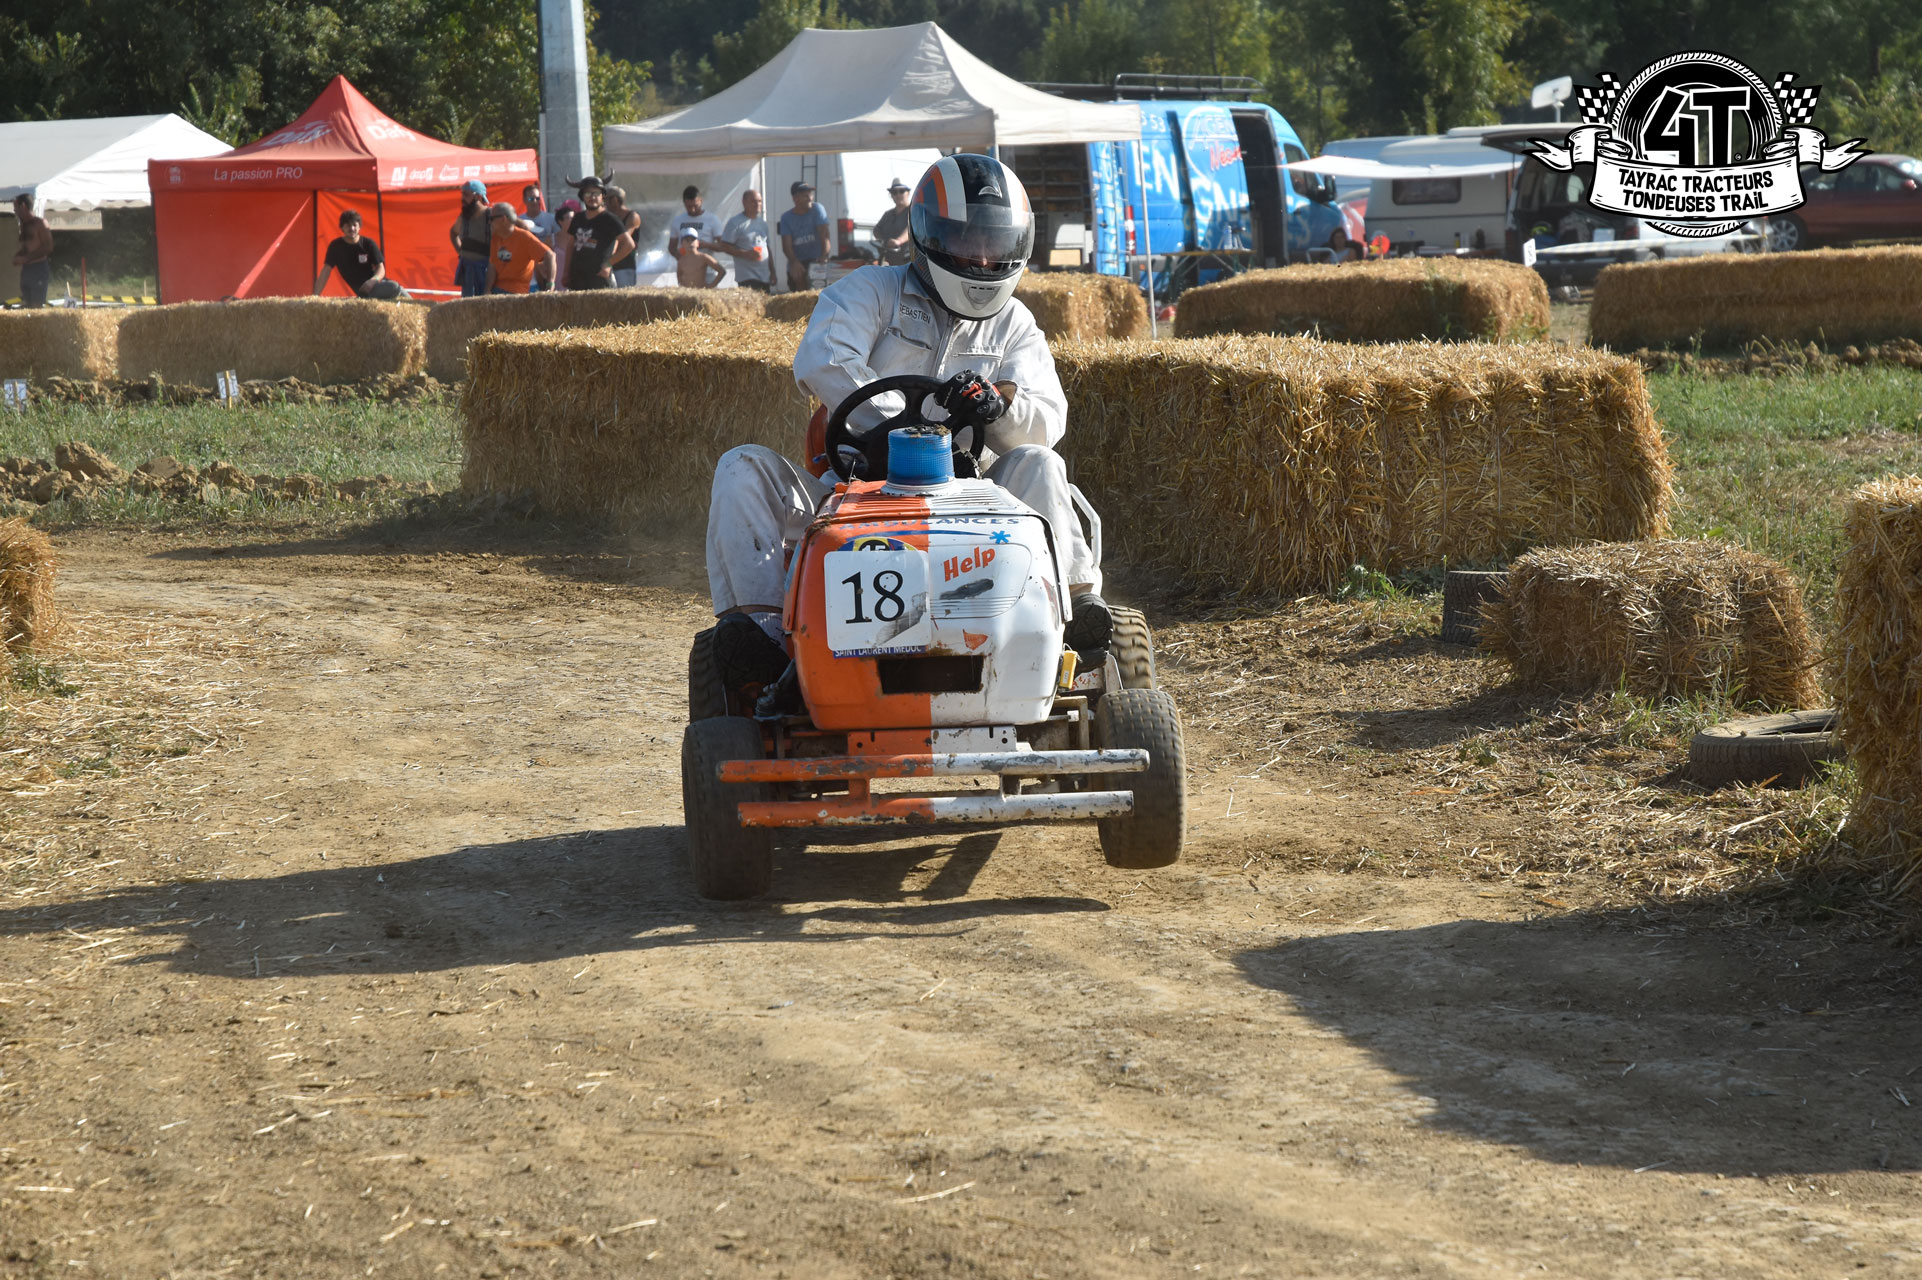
973, 231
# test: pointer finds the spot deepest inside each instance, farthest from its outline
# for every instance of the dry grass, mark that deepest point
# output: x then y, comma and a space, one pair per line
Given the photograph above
1276, 465
636, 425
1660, 619
1075, 306
317, 339
28, 616
1727, 299
452, 325
59, 342
787, 307
1396, 300
1878, 653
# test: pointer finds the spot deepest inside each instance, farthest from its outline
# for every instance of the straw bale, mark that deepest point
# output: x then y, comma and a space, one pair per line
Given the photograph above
318, 339
452, 325
1276, 464
27, 613
1075, 306
59, 342
786, 307
1877, 653
1393, 300
1726, 299
1664, 619
627, 421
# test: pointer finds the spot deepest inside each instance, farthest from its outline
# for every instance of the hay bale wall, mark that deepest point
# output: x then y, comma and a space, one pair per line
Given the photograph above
1878, 667
1077, 306
1275, 464
27, 613
789, 307
452, 325
60, 342
1394, 300
1726, 299
325, 340
638, 422
1666, 619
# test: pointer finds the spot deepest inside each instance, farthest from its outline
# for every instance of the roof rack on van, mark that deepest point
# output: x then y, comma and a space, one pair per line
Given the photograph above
1148, 85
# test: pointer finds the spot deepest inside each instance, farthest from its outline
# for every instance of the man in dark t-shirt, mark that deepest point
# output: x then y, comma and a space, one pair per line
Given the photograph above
359, 261
599, 240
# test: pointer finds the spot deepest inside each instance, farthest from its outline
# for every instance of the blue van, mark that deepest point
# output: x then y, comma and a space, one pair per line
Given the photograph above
1204, 191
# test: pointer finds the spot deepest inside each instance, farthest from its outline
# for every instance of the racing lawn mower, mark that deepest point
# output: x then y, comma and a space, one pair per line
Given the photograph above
925, 616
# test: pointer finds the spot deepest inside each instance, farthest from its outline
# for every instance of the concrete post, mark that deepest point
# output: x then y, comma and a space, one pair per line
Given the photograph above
566, 137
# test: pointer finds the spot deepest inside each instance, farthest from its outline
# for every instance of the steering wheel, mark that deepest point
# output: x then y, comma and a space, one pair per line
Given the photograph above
917, 388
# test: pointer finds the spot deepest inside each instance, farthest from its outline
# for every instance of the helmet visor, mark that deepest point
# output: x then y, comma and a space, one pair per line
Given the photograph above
990, 245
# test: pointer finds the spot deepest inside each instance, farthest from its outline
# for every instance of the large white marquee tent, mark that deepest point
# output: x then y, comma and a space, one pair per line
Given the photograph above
74, 168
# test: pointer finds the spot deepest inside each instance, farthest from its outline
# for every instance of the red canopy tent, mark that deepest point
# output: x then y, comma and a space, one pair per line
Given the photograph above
255, 222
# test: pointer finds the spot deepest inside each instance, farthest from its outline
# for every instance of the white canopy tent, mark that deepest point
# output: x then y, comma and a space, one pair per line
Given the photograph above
78, 167
886, 89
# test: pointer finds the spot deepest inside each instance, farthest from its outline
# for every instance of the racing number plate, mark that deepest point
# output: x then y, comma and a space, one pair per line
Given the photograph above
877, 602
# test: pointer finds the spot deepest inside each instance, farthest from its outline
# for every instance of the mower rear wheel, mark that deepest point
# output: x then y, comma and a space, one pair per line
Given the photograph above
1133, 647
706, 695
729, 861
1152, 835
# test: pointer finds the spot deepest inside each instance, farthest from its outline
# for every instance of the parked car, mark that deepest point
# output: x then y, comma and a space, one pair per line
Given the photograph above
1879, 197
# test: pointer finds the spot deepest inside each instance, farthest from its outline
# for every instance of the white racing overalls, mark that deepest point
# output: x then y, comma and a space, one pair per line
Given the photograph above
876, 323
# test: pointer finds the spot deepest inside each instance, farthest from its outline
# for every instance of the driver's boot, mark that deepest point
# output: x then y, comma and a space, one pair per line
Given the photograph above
1090, 625
747, 658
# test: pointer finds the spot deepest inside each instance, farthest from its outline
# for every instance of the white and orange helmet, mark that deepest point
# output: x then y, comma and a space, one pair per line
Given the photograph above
973, 231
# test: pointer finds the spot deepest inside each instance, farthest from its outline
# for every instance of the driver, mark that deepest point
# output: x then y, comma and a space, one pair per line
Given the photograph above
950, 314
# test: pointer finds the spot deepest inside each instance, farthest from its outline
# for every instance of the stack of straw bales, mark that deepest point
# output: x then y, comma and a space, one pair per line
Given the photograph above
1664, 619
452, 325
1878, 602
786, 307
325, 340
628, 421
27, 613
59, 342
1726, 299
1276, 464
1076, 306
1394, 300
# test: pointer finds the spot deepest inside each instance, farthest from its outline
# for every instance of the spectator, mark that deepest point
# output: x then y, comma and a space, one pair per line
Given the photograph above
564, 215
536, 205
694, 264
470, 237
358, 259
598, 240
694, 214
1344, 249
744, 238
516, 255
891, 228
804, 235
630, 223
36, 252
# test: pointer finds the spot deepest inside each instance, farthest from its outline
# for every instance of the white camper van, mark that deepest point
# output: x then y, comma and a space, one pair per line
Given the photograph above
1465, 210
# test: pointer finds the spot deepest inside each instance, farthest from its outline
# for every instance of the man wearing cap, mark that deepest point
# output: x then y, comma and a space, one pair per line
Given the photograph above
891, 228
744, 239
470, 239
804, 235
516, 255
598, 239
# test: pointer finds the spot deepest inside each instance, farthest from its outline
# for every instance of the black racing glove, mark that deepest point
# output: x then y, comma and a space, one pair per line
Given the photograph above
970, 401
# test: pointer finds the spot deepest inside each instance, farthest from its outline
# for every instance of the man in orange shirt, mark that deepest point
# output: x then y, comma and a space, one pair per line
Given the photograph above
515, 254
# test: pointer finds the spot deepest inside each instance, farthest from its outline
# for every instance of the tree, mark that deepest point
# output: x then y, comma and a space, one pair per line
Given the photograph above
1091, 44
1458, 53
766, 34
1213, 37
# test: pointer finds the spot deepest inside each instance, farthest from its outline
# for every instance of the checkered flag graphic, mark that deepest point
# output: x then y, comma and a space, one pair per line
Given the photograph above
1798, 101
1597, 102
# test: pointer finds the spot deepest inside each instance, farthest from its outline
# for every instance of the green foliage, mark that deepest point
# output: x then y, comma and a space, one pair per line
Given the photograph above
1091, 43
1213, 37
1887, 112
766, 34
1456, 49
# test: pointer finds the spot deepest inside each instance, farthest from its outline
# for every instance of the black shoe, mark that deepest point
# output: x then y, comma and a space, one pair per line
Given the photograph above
783, 697
746, 657
1090, 624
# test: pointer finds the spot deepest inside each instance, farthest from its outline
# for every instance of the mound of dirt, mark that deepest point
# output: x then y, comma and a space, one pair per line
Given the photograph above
79, 471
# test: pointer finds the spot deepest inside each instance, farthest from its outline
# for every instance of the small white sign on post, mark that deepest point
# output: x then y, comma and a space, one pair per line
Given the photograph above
228, 383
16, 391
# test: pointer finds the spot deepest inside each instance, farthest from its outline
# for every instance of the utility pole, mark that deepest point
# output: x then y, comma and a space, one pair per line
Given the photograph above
566, 137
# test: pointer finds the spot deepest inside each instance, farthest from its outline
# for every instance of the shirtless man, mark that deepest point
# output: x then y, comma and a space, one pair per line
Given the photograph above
36, 252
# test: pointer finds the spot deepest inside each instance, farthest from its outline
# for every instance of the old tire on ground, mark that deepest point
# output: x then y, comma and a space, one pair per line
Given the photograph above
1463, 593
706, 695
729, 861
1786, 748
1133, 648
1152, 835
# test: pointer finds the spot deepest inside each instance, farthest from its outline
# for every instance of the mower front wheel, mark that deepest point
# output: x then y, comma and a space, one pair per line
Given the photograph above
729, 861
1133, 647
1152, 835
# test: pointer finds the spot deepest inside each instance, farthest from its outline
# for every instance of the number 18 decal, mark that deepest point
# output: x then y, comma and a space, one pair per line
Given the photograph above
877, 602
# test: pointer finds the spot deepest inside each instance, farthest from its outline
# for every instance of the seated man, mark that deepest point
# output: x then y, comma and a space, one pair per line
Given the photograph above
949, 313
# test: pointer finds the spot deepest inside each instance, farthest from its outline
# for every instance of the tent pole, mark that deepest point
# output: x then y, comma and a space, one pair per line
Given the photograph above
380, 220
313, 237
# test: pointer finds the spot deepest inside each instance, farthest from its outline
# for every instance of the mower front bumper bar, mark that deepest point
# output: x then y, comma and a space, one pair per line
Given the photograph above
861, 808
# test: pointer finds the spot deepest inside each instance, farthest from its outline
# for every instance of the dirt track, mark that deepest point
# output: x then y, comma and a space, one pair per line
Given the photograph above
406, 978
